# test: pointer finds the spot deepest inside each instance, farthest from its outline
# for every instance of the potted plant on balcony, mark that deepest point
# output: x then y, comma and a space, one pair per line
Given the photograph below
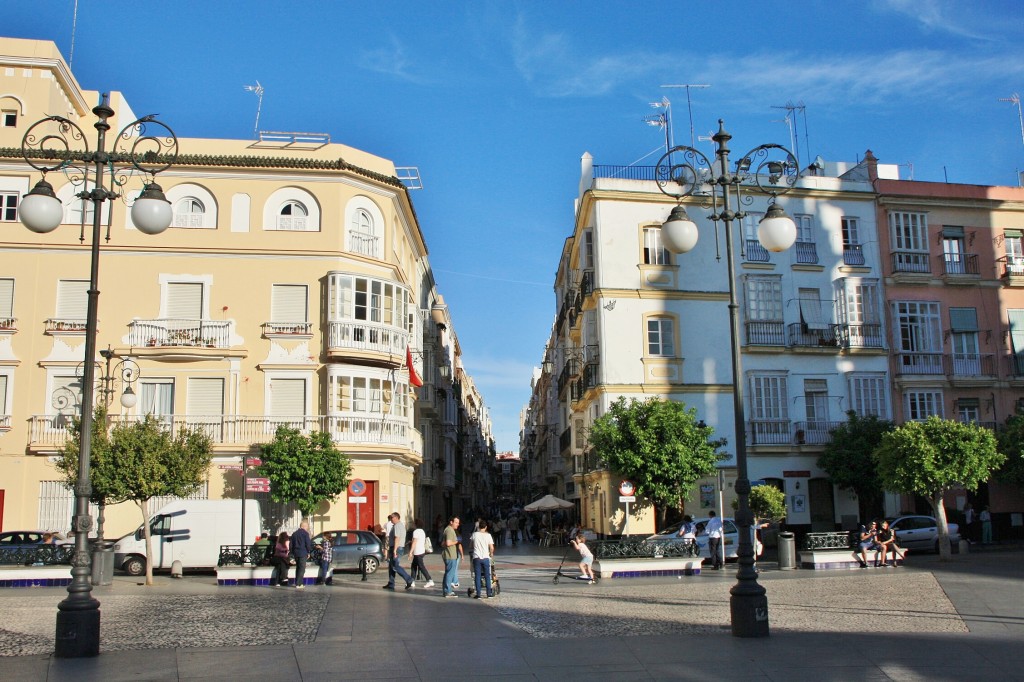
151, 342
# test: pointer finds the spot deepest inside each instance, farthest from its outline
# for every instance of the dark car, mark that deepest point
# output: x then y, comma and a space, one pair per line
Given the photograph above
26, 547
350, 548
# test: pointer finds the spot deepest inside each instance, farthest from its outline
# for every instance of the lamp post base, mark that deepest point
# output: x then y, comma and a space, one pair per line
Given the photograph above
78, 633
749, 614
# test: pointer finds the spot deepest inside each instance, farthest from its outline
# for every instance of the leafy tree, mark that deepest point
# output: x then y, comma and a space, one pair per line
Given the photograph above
102, 475
931, 458
150, 462
850, 462
306, 470
767, 503
658, 444
1011, 444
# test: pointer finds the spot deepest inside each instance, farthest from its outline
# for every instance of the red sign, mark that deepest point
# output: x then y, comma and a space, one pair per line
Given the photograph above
253, 461
626, 488
356, 487
257, 485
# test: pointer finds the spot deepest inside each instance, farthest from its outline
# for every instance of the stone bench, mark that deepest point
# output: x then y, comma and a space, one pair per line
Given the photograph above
35, 576
647, 567
260, 575
832, 559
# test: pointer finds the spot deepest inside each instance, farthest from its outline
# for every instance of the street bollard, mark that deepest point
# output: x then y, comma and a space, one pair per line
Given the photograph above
362, 568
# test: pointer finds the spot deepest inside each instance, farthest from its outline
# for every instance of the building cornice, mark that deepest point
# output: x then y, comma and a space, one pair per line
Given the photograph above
61, 73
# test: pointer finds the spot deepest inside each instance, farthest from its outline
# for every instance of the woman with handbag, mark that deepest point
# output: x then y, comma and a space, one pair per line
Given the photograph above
279, 560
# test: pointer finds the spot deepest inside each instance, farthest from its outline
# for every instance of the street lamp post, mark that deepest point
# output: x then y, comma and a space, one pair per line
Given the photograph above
771, 170
56, 143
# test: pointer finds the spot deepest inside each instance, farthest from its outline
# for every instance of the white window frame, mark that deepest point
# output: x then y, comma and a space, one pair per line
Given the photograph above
1014, 244
188, 213
276, 377
364, 227
587, 249
850, 229
920, 404
769, 395
660, 337
281, 302
923, 321
288, 196
763, 298
9, 207
804, 227
908, 231
858, 301
6, 300
869, 394
6, 396
367, 393
654, 251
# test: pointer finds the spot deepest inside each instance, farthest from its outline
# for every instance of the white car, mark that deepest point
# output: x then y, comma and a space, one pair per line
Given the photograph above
921, 532
671, 533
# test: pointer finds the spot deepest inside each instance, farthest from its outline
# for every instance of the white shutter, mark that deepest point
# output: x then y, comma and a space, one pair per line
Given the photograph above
287, 397
6, 298
288, 303
72, 299
205, 397
3, 394
184, 300
810, 309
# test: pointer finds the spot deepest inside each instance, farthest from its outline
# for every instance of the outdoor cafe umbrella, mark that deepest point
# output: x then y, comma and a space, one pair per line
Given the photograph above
548, 503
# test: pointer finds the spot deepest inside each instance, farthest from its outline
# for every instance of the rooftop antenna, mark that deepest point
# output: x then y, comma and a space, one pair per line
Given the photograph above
258, 89
74, 25
662, 120
794, 136
1015, 99
689, 105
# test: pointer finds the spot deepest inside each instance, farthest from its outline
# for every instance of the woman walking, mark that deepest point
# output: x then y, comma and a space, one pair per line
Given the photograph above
279, 560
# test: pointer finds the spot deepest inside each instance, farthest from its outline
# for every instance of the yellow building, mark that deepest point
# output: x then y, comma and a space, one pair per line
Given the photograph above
288, 289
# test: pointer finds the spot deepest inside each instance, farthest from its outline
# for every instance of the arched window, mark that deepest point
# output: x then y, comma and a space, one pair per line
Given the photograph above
188, 212
362, 238
292, 217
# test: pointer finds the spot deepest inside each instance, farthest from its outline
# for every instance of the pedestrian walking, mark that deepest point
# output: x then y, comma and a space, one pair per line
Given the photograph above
483, 550
302, 546
279, 560
418, 551
326, 574
450, 556
714, 531
969, 520
986, 526
396, 547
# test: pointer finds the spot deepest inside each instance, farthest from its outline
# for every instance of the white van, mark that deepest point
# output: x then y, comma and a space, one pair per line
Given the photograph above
189, 531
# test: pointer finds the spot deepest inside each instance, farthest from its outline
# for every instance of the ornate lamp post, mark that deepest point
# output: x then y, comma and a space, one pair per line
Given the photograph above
57, 143
769, 169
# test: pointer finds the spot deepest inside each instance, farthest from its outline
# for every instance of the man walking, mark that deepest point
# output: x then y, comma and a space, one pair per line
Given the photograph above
450, 555
302, 545
714, 531
396, 546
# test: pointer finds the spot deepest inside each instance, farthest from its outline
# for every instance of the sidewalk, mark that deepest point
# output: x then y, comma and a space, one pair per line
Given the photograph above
355, 630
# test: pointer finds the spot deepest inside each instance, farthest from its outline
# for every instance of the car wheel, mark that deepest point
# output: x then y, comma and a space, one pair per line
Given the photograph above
134, 565
371, 564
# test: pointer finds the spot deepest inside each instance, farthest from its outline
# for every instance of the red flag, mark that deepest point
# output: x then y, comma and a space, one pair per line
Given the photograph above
414, 378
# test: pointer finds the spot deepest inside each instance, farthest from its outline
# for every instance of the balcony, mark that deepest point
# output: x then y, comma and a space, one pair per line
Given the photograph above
766, 333
367, 340
755, 253
770, 431
803, 335
860, 335
853, 254
8, 325
1012, 270
970, 365
590, 376
1015, 365
64, 325
275, 330
910, 262
50, 432
806, 253
5, 422
364, 243
814, 432
959, 264
569, 372
587, 283
179, 332
918, 364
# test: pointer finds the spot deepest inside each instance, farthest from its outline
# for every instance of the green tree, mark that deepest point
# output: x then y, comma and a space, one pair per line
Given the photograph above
658, 444
102, 475
767, 503
306, 470
1011, 444
931, 458
849, 460
149, 462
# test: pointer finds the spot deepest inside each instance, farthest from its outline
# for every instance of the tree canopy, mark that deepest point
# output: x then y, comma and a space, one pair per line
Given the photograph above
931, 458
102, 474
767, 503
849, 460
306, 470
1011, 444
658, 444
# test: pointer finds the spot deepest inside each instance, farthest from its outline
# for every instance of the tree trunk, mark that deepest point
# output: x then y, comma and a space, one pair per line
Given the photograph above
945, 552
662, 512
144, 508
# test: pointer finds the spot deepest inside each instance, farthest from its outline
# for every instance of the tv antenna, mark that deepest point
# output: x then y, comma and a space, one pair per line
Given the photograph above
258, 89
662, 119
1015, 99
689, 105
790, 120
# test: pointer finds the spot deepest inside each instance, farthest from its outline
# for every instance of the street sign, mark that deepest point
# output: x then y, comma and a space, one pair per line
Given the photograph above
356, 487
357, 500
626, 488
253, 461
627, 498
256, 488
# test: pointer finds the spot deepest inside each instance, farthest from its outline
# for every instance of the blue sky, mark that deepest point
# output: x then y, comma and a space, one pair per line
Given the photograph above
495, 102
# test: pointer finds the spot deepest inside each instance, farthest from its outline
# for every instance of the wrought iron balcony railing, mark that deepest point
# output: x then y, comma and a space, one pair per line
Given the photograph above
765, 333
1013, 266
179, 332
860, 335
918, 363
970, 365
853, 254
755, 252
770, 431
960, 263
803, 335
814, 432
806, 252
911, 262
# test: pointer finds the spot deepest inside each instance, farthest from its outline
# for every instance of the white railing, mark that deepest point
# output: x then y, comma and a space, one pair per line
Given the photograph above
64, 324
364, 243
180, 332
370, 336
5, 422
243, 430
287, 328
8, 324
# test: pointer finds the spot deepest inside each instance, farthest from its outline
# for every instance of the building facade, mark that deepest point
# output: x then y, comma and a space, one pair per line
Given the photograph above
292, 288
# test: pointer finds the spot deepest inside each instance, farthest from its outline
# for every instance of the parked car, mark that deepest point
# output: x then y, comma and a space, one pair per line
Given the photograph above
671, 533
921, 532
350, 548
14, 542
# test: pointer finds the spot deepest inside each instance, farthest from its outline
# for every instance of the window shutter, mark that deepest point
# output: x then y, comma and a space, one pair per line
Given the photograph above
205, 397
6, 298
3, 394
288, 303
810, 309
963, 319
1017, 330
287, 397
72, 299
184, 301
952, 232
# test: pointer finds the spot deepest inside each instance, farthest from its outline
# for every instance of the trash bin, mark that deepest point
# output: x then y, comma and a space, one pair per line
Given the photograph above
103, 563
787, 550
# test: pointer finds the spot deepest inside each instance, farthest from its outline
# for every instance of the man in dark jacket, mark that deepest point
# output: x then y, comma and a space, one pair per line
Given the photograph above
302, 545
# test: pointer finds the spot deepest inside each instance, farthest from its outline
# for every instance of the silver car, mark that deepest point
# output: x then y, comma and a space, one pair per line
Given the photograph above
731, 535
921, 532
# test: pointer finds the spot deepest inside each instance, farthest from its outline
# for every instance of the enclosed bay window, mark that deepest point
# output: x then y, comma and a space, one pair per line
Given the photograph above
908, 239
769, 409
918, 337
868, 394
858, 311
763, 309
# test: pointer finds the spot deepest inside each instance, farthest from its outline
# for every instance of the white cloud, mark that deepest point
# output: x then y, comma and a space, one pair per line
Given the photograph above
937, 15
391, 60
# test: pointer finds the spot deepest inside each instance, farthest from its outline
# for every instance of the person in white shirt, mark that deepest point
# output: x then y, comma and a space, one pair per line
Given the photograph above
418, 549
714, 532
483, 549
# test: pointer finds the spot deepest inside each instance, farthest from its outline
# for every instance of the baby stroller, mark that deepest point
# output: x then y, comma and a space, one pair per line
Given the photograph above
495, 584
